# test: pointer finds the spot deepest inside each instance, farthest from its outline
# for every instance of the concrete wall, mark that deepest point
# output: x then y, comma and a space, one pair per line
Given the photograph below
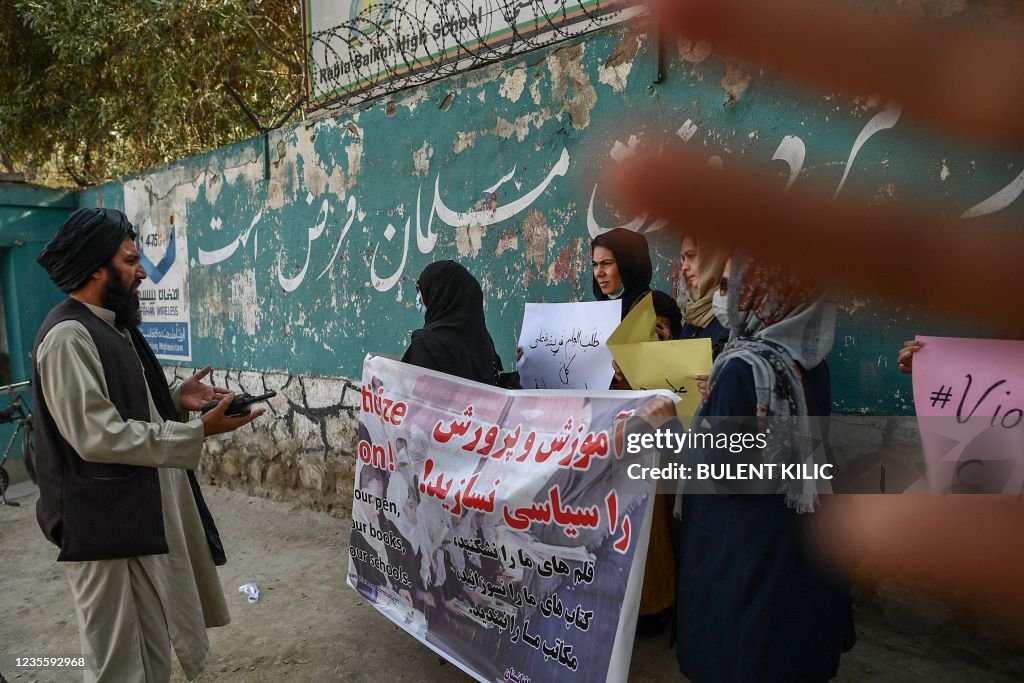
28, 218
301, 266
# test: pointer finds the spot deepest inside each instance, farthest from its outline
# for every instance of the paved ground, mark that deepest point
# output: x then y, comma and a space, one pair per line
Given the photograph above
308, 626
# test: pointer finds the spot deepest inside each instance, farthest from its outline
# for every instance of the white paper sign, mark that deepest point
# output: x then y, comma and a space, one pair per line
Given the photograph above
564, 345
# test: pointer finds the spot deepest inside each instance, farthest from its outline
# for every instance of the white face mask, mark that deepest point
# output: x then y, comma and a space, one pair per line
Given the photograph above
720, 307
420, 306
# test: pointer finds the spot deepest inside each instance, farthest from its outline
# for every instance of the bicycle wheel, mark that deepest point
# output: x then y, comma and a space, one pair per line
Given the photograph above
28, 452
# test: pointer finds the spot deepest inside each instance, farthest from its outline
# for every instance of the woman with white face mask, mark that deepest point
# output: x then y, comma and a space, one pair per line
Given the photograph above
703, 270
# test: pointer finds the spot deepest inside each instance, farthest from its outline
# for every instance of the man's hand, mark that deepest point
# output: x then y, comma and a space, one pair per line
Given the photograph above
195, 394
216, 422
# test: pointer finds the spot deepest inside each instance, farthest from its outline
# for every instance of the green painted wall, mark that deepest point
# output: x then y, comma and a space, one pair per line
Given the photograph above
28, 217
308, 269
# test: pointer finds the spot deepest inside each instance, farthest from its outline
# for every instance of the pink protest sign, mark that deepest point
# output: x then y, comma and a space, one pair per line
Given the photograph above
969, 395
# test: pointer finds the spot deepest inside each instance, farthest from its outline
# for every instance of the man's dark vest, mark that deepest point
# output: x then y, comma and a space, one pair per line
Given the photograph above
101, 511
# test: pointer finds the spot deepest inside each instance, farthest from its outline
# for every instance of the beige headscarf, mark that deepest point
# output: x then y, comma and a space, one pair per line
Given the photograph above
698, 301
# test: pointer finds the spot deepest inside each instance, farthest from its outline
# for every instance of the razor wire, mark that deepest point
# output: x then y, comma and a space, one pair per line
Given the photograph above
391, 46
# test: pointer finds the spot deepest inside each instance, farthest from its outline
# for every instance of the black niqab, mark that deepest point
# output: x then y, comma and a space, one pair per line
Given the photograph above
454, 339
634, 261
88, 239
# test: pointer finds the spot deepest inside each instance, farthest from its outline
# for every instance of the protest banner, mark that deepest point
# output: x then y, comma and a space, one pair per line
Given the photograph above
564, 345
651, 364
969, 397
500, 528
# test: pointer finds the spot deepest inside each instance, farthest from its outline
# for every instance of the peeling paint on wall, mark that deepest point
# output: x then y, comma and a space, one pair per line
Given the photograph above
509, 242
536, 234
296, 276
615, 71
463, 141
570, 84
513, 84
469, 240
695, 53
735, 82
421, 160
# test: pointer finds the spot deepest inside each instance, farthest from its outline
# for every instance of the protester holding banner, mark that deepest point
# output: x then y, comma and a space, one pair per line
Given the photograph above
622, 269
454, 338
753, 604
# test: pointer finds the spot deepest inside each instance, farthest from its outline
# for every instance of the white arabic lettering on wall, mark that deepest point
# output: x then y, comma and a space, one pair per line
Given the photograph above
426, 238
791, 150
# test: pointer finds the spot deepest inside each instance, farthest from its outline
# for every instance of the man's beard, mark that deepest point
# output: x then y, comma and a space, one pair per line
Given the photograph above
119, 298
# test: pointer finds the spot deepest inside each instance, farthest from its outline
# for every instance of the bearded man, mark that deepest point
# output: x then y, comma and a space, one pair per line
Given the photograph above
117, 489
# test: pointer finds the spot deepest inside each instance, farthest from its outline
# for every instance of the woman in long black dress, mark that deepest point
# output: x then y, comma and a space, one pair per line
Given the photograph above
454, 338
753, 602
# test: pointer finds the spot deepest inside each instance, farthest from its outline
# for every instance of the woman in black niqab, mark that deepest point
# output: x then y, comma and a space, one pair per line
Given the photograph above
454, 339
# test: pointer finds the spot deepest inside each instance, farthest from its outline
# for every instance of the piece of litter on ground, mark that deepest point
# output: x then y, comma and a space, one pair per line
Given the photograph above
251, 591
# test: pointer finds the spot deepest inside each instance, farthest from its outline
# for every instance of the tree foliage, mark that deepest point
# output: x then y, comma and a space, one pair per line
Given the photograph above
94, 90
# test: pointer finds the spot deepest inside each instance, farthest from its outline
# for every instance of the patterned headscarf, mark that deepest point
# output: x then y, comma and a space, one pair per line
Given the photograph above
779, 325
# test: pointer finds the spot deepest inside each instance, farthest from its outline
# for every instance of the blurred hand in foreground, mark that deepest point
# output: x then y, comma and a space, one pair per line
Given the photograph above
963, 546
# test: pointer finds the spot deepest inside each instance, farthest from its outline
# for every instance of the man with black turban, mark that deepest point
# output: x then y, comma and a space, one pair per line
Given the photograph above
117, 490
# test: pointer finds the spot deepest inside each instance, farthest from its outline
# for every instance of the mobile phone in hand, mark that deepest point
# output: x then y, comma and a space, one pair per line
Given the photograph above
240, 405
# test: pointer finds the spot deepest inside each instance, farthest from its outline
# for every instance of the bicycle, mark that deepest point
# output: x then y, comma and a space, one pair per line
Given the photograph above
17, 414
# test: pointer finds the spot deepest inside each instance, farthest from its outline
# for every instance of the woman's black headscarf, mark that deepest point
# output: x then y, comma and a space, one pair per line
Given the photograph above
666, 307
634, 261
454, 339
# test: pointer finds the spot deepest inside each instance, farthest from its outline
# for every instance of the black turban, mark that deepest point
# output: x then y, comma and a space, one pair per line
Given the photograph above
88, 239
